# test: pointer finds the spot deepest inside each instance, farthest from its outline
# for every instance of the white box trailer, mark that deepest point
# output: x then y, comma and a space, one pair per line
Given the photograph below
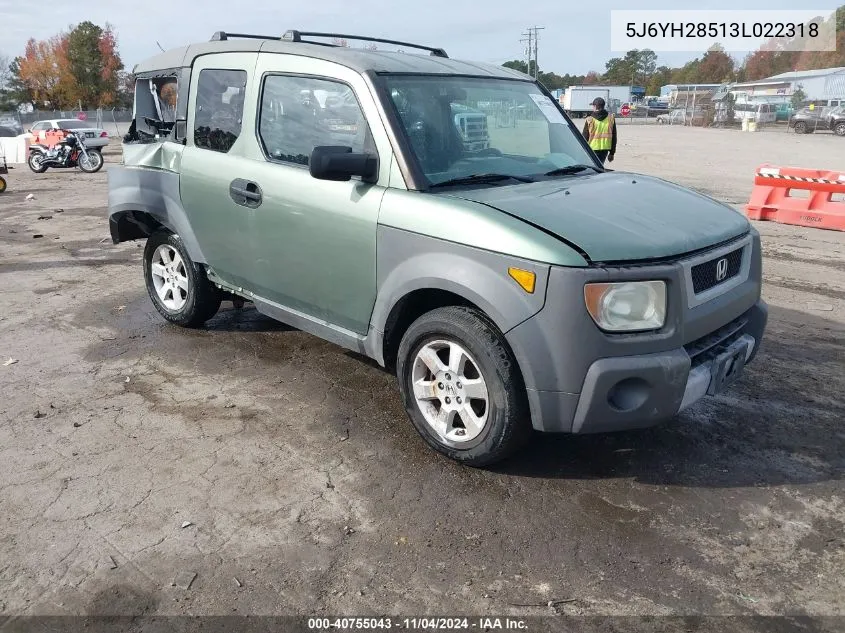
577, 100
618, 96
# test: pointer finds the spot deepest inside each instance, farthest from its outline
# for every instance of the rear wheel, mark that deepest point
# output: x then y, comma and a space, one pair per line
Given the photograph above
35, 162
461, 386
2, 184
178, 287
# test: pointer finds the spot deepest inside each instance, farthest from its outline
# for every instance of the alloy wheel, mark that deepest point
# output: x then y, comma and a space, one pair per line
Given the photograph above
170, 277
450, 391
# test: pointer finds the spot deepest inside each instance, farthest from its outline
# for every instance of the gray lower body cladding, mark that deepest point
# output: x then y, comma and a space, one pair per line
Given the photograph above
582, 380
141, 199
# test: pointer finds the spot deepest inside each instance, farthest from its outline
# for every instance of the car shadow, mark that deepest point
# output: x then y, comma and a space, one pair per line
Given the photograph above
781, 424
244, 319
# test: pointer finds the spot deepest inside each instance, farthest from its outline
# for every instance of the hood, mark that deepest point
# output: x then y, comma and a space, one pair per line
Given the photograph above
614, 216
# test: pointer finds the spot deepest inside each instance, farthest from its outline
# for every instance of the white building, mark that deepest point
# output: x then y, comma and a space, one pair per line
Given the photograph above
817, 85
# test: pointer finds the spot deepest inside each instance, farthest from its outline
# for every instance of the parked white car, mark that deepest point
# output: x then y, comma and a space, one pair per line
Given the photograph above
95, 138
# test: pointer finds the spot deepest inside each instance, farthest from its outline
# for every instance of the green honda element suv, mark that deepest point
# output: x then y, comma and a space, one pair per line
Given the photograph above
511, 285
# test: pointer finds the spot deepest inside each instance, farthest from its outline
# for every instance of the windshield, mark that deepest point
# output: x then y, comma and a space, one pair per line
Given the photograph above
459, 127
72, 124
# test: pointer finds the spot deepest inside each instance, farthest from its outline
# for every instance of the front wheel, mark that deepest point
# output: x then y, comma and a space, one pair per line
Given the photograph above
36, 162
839, 129
2, 184
179, 288
91, 162
461, 386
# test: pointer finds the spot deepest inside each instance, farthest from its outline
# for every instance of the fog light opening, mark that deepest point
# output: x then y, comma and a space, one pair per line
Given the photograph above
628, 395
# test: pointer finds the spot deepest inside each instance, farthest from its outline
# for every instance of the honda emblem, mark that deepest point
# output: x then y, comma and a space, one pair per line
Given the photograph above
721, 269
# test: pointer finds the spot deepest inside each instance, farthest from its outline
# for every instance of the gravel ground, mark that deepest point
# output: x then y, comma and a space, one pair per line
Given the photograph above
303, 489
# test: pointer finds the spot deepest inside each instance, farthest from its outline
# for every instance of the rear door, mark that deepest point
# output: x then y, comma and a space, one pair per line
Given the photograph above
221, 120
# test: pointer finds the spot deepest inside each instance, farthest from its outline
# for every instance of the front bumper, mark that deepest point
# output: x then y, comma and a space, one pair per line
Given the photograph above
640, 391
580, 380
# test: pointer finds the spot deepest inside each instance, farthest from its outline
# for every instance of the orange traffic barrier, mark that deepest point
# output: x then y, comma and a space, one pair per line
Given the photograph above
773, 198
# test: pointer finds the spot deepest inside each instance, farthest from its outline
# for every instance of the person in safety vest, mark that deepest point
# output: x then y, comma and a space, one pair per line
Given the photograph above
600, 131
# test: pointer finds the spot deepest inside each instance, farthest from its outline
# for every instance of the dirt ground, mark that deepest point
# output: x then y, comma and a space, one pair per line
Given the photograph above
304, 489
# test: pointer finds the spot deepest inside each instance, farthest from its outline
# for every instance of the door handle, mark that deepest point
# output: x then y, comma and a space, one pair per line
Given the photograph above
245, 193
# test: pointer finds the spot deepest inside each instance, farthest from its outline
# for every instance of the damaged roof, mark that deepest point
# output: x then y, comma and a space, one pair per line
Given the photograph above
360, 60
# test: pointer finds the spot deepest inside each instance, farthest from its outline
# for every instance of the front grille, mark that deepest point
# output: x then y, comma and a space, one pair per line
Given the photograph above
704, 275
708, 347
476, 129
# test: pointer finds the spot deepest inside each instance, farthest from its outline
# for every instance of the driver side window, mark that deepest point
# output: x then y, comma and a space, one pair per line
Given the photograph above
301, 113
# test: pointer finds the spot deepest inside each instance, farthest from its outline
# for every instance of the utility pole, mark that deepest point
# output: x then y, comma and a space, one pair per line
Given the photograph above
529, 50
532, 38
536, 58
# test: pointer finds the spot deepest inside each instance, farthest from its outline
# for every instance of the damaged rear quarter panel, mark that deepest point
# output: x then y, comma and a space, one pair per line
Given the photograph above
139, 191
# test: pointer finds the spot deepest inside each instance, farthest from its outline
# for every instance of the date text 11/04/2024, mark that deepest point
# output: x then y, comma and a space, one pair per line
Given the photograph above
421, 624
755, 30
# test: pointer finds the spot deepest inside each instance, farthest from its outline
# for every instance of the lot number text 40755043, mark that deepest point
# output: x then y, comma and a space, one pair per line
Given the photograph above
423, 624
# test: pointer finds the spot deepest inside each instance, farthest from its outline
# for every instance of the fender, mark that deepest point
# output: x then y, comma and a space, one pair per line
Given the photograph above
409, 261
138, 195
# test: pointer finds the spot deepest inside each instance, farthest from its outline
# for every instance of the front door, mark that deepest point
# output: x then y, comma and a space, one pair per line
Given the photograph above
316, 239
219, 133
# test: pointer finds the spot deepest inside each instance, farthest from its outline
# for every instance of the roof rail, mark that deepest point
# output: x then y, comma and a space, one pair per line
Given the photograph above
296, 36
222, 36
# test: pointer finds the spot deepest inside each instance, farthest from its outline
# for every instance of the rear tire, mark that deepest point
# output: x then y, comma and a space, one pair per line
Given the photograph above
2, 184
474, 408
35, 164
178, 287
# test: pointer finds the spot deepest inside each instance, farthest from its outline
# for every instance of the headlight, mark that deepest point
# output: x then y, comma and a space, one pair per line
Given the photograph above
627, 307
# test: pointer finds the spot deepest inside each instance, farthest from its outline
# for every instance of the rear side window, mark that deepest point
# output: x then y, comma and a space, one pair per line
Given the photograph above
220, 109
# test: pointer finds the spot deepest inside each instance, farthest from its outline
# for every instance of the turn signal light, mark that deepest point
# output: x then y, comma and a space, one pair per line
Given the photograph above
525, 278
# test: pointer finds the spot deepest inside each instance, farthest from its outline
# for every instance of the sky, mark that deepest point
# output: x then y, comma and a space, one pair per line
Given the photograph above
575, 38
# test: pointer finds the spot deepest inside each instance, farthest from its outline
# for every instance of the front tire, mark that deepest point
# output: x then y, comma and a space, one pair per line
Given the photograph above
461, 386
35, 163
178, 287
2, 184
93, 164
839, 129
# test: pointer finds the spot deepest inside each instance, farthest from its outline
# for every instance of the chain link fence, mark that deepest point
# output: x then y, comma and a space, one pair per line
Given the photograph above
114, 121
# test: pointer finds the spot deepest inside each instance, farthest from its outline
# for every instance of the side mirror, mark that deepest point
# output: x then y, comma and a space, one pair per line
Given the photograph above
339, 163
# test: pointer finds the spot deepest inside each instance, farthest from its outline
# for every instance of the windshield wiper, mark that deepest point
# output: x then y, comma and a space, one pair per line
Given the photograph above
571, 169
475, 179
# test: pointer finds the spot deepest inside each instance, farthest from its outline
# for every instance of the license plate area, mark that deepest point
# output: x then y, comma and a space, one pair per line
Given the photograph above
727, 367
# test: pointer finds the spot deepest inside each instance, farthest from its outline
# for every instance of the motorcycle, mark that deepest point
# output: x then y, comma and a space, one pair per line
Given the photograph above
68, 153
4, 169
